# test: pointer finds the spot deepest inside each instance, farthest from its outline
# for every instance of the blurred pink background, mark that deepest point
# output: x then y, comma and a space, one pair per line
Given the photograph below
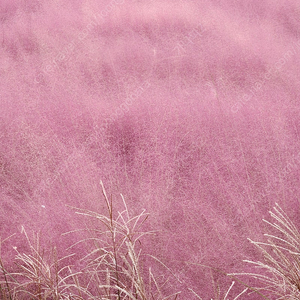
190, 109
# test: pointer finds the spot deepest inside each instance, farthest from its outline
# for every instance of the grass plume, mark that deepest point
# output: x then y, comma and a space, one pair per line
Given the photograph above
279, 271
112, 269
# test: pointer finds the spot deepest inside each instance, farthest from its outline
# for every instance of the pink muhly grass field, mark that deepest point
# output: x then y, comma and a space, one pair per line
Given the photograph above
189, 109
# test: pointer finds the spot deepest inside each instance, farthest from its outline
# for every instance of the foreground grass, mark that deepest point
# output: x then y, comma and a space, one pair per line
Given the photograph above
113, 268
279, 271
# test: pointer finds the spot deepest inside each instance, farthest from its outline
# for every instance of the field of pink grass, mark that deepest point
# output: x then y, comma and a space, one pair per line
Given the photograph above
190, 109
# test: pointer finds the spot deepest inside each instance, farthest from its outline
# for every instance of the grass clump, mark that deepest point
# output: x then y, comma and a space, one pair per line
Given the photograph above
39, 277
114, 266
112, 269
279, 270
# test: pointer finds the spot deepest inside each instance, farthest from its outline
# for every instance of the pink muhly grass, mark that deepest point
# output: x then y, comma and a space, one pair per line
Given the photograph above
189, 108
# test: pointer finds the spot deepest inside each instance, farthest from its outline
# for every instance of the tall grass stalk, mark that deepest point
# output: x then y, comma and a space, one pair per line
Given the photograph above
112, 268
38, 277
114, 264
279, 271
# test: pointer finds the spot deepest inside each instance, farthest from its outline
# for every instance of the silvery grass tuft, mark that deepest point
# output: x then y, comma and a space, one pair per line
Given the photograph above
279, 272
39, 276
114, 264
111, 270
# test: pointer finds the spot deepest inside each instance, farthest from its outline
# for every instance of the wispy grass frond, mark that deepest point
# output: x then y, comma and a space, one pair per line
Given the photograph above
38, 277
279, 272
114, 263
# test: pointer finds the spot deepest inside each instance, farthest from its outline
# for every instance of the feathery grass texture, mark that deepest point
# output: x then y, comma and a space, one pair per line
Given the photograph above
279, 272
114, 263
39, 276
113, 268
207, 148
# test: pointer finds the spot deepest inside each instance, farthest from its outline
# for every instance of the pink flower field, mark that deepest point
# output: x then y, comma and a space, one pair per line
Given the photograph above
148, 147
